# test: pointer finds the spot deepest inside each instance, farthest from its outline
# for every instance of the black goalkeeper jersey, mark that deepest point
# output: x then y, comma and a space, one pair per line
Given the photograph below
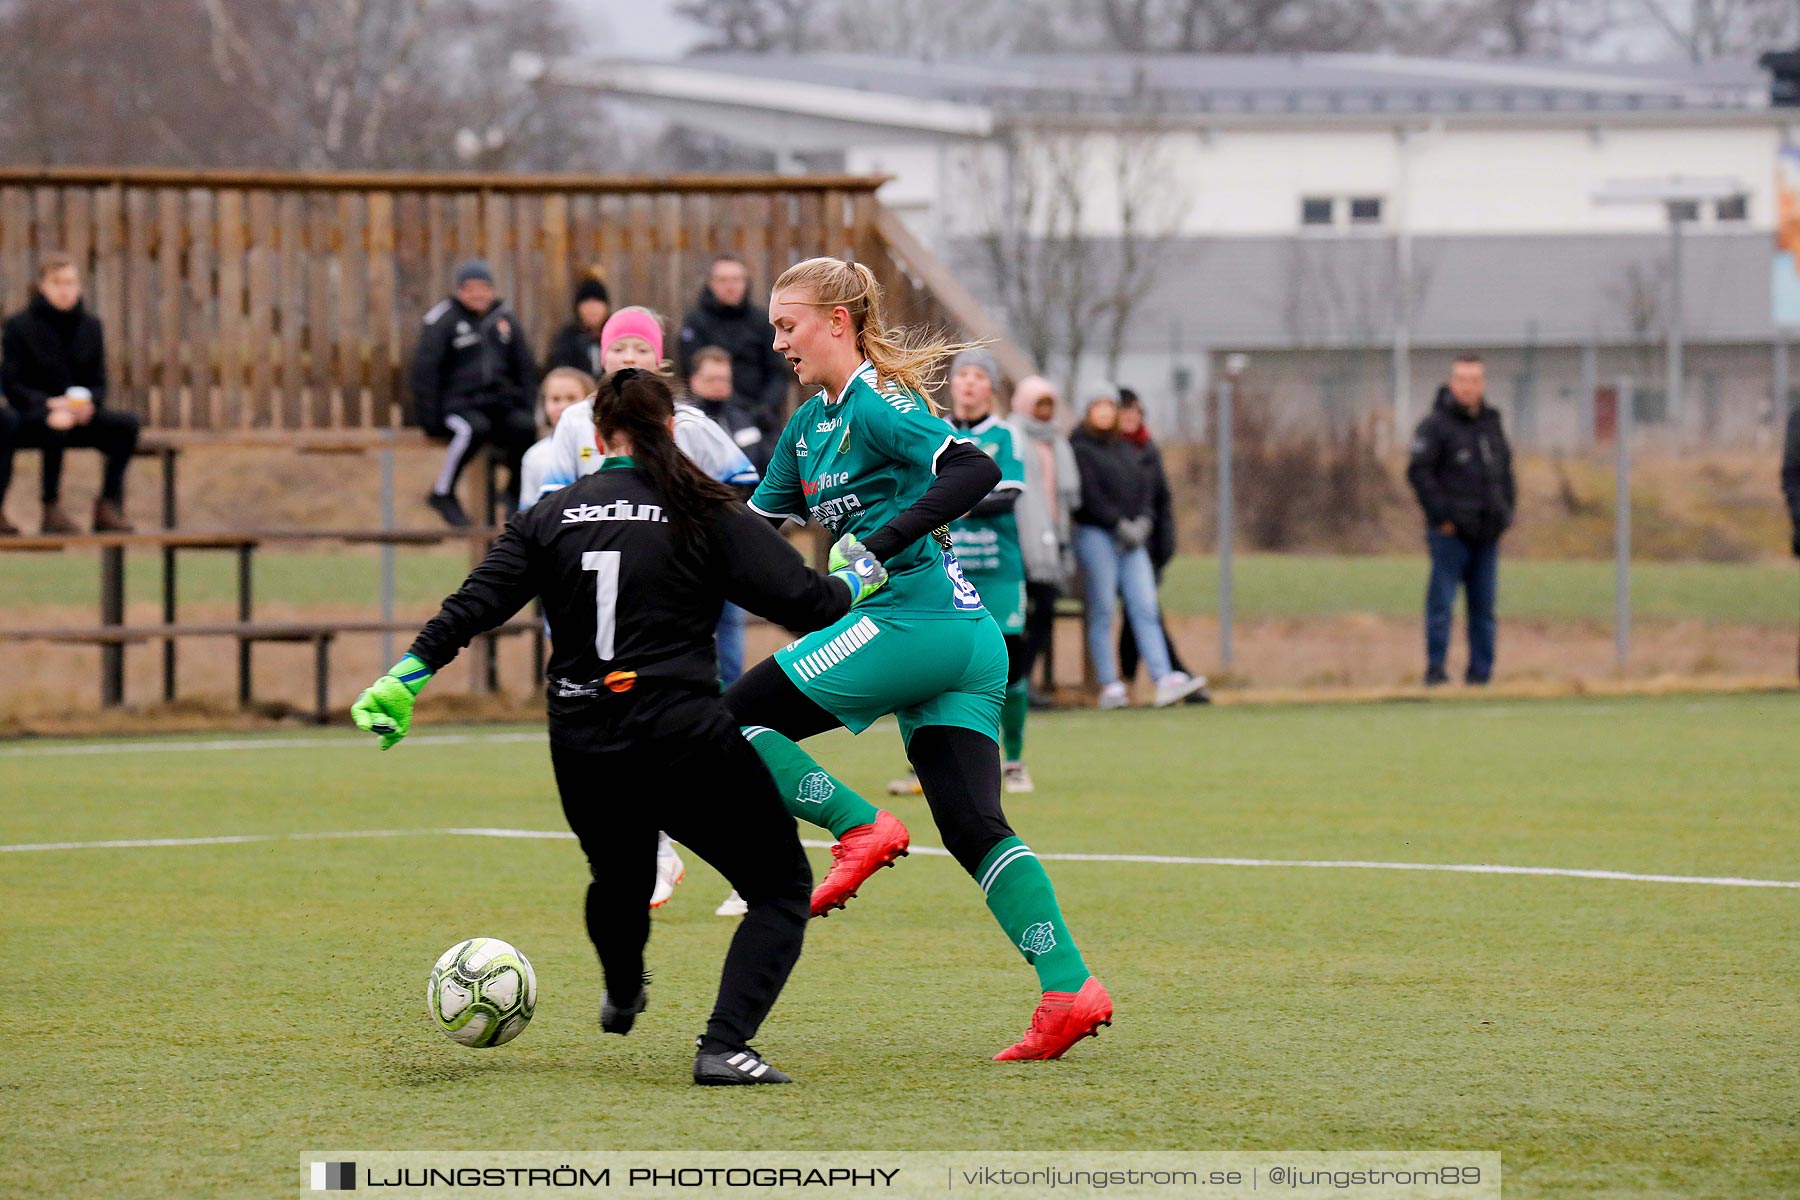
627, 601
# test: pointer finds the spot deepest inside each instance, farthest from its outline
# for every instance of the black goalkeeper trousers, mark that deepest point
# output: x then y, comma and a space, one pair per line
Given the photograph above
674, 760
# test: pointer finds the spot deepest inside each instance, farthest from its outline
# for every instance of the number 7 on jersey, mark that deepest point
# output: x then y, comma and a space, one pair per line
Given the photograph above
605, 566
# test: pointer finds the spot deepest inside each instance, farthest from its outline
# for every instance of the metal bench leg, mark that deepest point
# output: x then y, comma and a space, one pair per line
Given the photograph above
112, 612
322, 679
168, 655
244, 605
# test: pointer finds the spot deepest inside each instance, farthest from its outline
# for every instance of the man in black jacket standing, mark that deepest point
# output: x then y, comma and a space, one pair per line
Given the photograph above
53, 371
1461, 471
473, 380
724, 317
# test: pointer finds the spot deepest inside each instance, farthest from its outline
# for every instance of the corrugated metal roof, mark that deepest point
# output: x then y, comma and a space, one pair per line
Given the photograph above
1270, 84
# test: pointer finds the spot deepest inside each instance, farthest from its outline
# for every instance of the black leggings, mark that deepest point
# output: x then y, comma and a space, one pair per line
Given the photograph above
958, 768
677, 761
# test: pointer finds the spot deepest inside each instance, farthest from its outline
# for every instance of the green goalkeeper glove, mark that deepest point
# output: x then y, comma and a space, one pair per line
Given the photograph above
861, 571
385, 707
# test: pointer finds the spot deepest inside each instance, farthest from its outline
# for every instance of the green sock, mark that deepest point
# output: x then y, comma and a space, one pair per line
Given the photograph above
1021, 898
811, 793
1012, 719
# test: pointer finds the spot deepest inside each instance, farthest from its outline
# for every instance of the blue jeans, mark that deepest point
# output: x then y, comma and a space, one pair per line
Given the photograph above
729, 639
1111, 572
1474, 567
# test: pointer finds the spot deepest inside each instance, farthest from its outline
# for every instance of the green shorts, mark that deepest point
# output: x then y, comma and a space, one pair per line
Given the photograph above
925, 672
1004, 600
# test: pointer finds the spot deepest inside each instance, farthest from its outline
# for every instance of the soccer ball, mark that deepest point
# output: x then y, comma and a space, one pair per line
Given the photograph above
482, 992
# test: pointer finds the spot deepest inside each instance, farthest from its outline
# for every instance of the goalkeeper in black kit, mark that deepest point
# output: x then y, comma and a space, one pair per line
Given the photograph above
633, 563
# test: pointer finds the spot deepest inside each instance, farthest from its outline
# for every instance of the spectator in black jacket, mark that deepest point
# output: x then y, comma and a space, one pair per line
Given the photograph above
710, 391
1461, 471
1162, 534
473, 381
725, 318
1112, 528
577, 344
1790, 474
53, 371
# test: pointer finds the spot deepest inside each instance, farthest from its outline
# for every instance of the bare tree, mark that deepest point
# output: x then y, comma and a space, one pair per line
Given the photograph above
1707, 29
1071, 262
760, 26
210, 82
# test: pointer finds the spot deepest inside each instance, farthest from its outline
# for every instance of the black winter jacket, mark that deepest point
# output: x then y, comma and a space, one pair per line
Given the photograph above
1114, 484
45, 351
575, 347
759, 376
1461, 470
735, 418
1162, 505
466, 361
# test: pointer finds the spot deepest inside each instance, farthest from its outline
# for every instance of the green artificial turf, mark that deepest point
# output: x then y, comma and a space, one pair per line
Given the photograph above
186, 1020
1267, 585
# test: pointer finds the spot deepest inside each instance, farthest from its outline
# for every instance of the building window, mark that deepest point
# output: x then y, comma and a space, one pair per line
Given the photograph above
1732, 208
1316, 210
1684, 210
1365, 210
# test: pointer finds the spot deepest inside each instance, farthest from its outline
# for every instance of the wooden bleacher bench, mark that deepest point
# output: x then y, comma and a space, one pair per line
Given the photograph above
319, 633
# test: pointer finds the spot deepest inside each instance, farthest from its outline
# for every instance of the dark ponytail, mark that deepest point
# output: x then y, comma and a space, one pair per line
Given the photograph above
639, 405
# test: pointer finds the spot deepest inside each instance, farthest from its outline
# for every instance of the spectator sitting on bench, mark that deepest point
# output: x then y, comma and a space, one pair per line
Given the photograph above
472, 378
53, 372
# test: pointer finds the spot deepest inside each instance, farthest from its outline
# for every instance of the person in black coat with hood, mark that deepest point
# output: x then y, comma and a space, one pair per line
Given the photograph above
725, 318
577, 344
1461, 471
53, 371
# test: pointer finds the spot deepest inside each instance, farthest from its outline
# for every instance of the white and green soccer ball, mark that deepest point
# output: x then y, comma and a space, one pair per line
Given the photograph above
482, 992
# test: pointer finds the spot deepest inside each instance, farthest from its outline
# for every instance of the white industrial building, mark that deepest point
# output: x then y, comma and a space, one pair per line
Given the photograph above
1283, 200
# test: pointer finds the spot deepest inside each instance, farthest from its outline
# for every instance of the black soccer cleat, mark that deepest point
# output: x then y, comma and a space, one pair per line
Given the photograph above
448, 507
730, 1067
618, 1018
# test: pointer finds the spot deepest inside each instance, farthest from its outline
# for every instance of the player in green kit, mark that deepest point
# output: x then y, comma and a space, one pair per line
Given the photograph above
868, 457
986, 543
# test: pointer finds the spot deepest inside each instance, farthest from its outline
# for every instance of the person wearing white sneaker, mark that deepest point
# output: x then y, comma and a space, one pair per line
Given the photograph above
670, 870
733, 905
1112, 528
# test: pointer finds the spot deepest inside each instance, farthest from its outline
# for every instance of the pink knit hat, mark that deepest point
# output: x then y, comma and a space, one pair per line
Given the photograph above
632, 322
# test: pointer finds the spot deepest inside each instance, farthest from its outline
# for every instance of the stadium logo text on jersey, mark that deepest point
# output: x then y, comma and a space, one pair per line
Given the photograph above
815, 788
1039, 938
618, 510
828, 426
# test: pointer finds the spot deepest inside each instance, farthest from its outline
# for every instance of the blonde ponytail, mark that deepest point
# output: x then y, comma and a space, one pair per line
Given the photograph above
916, 359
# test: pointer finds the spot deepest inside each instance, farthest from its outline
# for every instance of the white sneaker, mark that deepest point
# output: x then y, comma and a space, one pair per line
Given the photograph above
733, 905
1018, 779
670, 870
1175, 687
1113, 695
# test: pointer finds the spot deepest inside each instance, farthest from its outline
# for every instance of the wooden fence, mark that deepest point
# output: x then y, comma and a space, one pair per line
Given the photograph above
238, 300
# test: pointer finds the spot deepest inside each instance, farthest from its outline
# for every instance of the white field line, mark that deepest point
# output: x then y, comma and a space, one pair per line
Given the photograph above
1151, 859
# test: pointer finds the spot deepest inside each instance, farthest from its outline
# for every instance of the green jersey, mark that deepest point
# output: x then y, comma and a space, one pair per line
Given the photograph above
854, 463
988, 547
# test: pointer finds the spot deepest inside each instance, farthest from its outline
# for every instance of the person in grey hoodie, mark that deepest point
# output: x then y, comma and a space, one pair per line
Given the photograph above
1052, 490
